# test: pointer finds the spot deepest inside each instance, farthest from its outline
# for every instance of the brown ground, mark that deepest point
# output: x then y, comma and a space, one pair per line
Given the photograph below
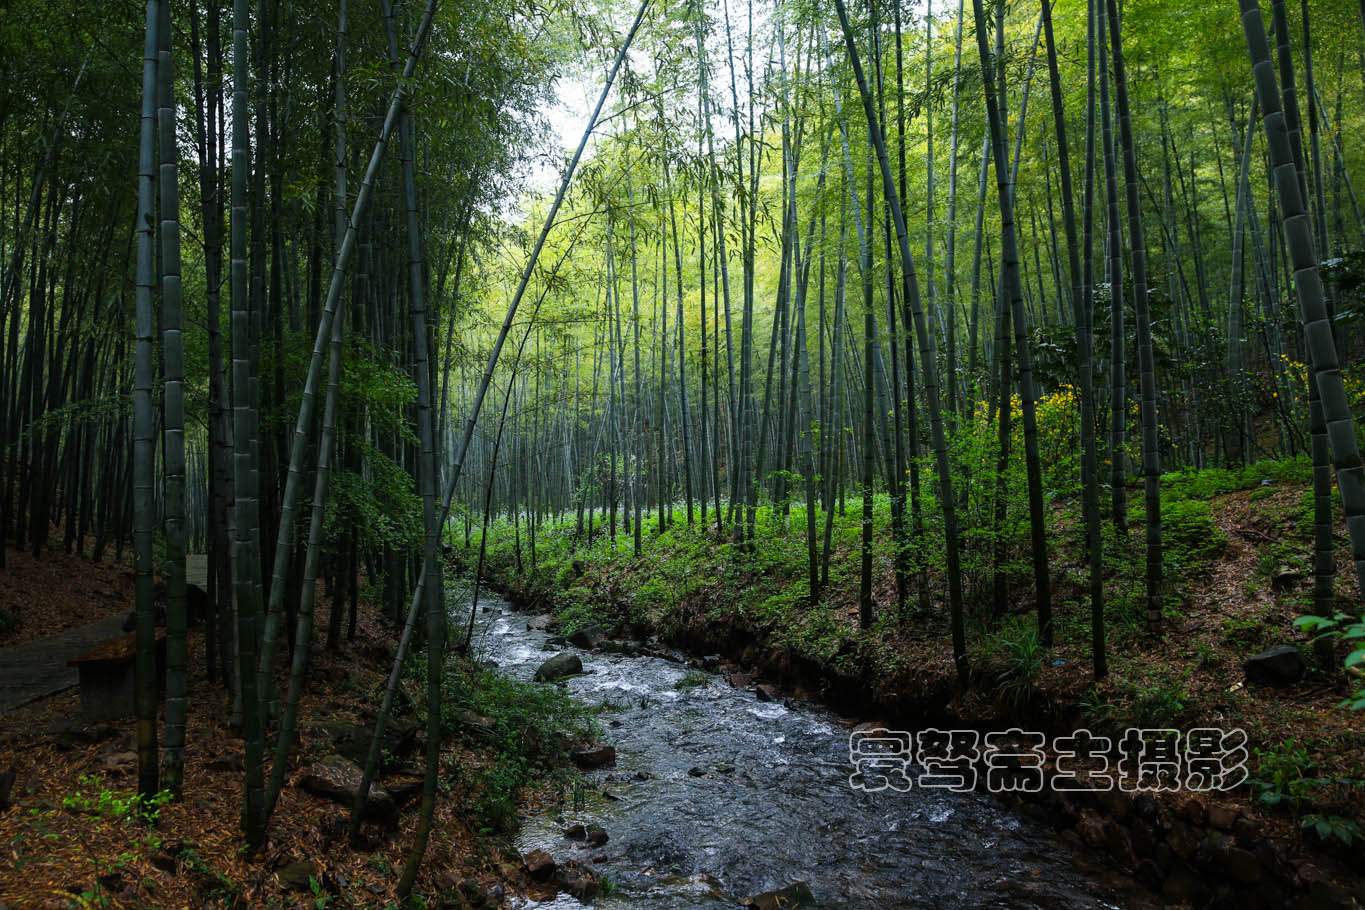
1230, 612
57, 592
60, 850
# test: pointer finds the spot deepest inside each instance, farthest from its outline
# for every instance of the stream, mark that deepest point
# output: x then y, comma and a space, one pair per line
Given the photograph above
717, 795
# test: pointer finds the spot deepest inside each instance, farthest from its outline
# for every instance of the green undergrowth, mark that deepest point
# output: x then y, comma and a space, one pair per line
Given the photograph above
687, 577
522, 733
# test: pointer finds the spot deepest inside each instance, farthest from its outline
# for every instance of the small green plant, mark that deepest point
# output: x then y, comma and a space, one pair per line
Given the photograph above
1190, 539
1024, 655
1326, 826
120, 807
579, 794
1096, 710
1285, 774
1158, 704
1204, 657
216, 885
320, 896
691, 679
1267, 564
1249, 633
116, 805
1350, 628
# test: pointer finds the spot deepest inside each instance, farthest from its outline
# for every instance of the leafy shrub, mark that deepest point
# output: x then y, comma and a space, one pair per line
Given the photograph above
1158, 704
1350, 628
1284, 774
1189, 484
1024, 654
531, 729
1250, 634
1190, 538
1328, 826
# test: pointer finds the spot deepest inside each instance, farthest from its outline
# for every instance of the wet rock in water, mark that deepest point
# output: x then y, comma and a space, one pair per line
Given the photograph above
588, 637
696, 771
710, 663
1281, 665
539, 865
766, 692
741, 680
611, 646
576, 831
298, 876
596, 835
539, 623
338, 778
574, 879
794, 895
594, 756
559, 666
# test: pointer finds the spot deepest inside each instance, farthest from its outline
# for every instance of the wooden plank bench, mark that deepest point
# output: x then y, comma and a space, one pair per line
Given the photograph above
108, 676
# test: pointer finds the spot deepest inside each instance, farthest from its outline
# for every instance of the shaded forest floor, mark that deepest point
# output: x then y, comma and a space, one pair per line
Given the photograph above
58, 592
71, 834
1239, 572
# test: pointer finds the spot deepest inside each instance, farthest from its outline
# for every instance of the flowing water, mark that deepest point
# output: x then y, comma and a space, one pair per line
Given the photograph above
716, 795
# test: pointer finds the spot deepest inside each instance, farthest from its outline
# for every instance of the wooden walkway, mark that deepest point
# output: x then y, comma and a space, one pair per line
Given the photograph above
36, 669
197, 570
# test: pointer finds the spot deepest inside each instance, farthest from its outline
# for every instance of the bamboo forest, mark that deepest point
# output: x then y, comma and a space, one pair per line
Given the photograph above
682, 454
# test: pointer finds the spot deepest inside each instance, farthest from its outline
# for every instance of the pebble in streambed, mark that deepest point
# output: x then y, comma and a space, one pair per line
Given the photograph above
713, 796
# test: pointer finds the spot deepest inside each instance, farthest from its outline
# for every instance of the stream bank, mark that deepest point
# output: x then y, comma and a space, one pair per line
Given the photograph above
717, 793
1185, 849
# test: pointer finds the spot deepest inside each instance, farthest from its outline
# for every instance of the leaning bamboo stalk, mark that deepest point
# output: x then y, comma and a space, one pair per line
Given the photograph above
405, 637
285, 538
